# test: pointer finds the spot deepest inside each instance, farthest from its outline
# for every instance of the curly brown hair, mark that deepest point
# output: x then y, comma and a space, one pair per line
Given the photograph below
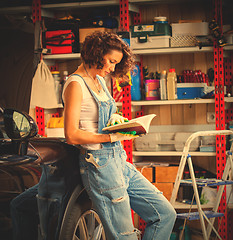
98, 44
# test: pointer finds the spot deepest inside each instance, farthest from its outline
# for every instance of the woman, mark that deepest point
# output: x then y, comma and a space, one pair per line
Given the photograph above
113, 184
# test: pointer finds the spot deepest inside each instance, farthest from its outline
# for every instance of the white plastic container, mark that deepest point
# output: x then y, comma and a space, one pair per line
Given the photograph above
191, 29
55, 132
152, 42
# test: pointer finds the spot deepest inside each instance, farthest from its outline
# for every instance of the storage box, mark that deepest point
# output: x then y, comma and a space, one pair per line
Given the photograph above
149, 42
155, 142
165, 142
190, 90
191, 29
165, 174
155, 29
58, 26
147, 172
165, 188
183, 41
59, 41
155, 35
83, 32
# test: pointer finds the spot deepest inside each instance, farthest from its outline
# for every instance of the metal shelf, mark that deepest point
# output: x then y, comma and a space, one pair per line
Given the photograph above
171, 153
149, 51
178, 101
61, 6
66, 56
174, 50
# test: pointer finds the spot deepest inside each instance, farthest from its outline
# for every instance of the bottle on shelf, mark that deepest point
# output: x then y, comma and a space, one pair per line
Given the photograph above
57, 84
163, 85
62, 82
136, 84
65, 75
171, 84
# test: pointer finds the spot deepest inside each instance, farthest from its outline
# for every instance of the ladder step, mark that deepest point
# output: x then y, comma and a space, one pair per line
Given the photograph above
195, 215
201, 182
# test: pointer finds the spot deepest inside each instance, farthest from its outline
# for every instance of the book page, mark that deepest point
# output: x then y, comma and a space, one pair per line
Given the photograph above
140, 125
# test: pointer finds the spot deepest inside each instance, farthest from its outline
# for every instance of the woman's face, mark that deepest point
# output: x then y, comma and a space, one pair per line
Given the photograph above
110, 60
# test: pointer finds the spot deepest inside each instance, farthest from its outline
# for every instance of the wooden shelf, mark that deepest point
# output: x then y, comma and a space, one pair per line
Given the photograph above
171, 153
62, 56
174, 50
61, 6
175, 102
178, 101
171, 50
149, 51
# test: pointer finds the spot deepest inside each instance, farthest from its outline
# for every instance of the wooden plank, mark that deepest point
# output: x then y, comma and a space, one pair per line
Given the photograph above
164, 62
200, 113
177, 114
210, 107
165, 115
200, 62
155, 110
189, 114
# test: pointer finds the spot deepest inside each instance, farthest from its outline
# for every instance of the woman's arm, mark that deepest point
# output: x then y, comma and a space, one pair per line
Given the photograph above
72, 108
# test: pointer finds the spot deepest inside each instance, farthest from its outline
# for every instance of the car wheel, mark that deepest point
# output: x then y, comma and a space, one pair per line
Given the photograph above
83, 223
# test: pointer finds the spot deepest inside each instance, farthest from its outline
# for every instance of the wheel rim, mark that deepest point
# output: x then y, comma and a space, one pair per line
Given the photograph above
89, 227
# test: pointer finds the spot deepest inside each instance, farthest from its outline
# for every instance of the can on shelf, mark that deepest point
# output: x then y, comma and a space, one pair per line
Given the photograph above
152, 89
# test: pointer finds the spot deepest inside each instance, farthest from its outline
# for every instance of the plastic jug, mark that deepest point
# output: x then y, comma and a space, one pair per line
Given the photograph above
136, 82
171, 84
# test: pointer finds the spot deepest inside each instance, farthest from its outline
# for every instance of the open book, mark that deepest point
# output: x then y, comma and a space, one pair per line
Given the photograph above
140, 125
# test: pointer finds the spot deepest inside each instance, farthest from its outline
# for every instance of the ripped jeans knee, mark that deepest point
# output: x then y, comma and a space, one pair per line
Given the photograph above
128, 234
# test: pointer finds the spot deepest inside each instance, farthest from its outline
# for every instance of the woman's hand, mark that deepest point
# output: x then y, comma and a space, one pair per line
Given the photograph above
114, 137
116, 119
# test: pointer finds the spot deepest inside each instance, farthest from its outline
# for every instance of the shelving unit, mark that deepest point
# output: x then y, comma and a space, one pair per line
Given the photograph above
219, 101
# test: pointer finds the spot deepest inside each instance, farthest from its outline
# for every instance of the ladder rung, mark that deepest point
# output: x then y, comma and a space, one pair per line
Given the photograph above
195, 215
205, 182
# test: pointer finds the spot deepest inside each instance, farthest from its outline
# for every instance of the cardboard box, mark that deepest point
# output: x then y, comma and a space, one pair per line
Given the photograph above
147, 172
165, 188
165, 174
83, 32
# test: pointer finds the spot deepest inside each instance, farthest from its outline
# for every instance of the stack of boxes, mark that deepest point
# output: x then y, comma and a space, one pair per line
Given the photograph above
162, 177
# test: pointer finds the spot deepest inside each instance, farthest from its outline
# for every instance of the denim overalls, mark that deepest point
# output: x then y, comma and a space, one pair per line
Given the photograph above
115, 186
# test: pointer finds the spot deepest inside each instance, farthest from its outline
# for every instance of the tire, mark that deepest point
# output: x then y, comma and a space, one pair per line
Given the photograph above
82, 223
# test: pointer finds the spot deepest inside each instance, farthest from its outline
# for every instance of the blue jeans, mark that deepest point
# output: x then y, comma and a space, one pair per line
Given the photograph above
115, 186
24, 215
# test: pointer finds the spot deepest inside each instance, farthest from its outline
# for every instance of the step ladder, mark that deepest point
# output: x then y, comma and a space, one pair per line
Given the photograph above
227, 177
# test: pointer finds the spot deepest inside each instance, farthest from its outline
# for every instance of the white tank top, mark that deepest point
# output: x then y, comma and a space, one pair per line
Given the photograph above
89, 110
